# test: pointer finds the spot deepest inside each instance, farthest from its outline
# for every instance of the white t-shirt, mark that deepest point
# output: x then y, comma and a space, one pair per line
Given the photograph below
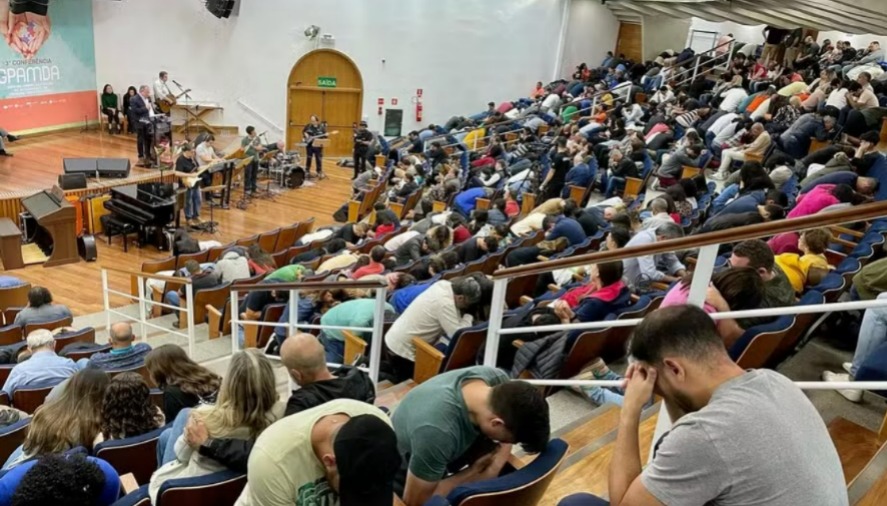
398, 241
723, 122
732, 98
837, 98
431, 317
283, 469
552, 101
205, 152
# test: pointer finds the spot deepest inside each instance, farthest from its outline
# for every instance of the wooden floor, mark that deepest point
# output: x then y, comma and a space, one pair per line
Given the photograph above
38, 162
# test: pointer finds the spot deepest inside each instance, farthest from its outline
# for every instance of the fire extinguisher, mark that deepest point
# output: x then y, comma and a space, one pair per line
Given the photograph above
418, 111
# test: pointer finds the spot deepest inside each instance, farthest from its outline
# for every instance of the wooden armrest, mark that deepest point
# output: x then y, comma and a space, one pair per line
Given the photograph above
578, 277
397, 208
354, 210
428, 361
438, 206
517, 343
157, 296
515, 462
542, 258
250, 335
4, 399
577, 193
844, 230
525, 299
215, 321
659, 286
844, 242
128, 483
690, 260
553, 287
354, 347
482, 204
397, 501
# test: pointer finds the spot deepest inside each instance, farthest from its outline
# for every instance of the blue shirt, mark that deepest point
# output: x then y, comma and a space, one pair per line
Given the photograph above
569, 228
11, 480
747, 203
124, 358
405, 296
580, 175
43, 369
841, 177
10, 282
466, 201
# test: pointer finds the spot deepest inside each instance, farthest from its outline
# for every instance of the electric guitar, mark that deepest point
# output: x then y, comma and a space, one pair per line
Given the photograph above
189, 179
165, 104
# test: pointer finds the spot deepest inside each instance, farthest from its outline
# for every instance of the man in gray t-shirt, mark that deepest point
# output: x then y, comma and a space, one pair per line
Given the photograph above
741, 437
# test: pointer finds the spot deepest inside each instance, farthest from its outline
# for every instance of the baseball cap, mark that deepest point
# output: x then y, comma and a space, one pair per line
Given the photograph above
367, 459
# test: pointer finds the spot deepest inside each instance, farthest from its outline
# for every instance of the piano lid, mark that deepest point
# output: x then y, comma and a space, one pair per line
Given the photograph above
152, 194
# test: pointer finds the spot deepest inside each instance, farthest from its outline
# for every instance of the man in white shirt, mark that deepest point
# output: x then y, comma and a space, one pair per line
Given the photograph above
161, 90
551, 103
437, 313
732, 99
206, 152
721, 130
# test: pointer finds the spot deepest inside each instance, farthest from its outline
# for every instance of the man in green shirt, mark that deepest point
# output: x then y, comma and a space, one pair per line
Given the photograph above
352, 313
458, 428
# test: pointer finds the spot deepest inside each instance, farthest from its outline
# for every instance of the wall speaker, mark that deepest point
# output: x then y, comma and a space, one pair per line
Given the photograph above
220, 8
75, 181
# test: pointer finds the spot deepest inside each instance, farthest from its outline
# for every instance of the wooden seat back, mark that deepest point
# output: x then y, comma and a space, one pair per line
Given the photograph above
16, 296
62, 322
268, 240
29, 399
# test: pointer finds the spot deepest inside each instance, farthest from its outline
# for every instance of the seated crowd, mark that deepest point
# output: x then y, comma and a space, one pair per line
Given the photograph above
512, 186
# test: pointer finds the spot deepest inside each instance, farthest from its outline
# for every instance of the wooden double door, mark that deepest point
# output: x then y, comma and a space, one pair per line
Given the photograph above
328, 84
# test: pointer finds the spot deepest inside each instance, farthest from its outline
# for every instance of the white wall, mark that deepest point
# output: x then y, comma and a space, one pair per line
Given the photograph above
742, 33
591, 32
858, 41
664, 32
462, 53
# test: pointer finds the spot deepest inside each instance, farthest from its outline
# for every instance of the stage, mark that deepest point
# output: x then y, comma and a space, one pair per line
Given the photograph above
37, 163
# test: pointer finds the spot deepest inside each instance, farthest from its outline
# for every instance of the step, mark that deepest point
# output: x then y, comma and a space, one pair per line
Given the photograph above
856, 445
869, 488
584, 431
390, 397
586, 470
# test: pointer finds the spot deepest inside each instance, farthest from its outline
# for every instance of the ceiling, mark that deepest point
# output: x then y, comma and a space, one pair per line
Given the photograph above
856, 16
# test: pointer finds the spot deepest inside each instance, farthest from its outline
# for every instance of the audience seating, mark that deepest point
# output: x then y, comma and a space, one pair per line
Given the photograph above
199, 257
216, 297
268, 240
11, 334
29, 399
355, 348
803, 324
141, 370
136, 455
63, 322
246, 242
5, 369
359, 209
402, 208
217, 489
523, 487
213, 254
286, 238
219, 317
138, 497
80, 354
258, 335
461, 352
757, 344
10, 313
16, 296
153, 267
12, 436
84, 335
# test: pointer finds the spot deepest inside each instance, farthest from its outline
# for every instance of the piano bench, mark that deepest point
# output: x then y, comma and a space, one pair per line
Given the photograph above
114, 226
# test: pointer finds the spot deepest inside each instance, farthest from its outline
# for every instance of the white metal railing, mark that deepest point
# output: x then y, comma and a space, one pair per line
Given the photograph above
144, 302
293, 325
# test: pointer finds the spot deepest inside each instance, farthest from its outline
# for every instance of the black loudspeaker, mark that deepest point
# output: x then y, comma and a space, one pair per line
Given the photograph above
87, 166
113, 167
75, 181
220, 8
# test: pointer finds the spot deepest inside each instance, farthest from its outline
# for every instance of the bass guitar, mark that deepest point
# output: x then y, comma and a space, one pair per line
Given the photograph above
189, 179
309, 140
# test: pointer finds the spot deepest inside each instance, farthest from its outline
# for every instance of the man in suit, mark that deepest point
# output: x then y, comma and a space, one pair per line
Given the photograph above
141, 110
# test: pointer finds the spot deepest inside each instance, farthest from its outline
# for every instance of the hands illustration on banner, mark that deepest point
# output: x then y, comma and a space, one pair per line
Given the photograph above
26, 32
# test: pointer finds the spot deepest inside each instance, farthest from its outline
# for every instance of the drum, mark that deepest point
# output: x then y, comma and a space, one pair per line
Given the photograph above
295, 176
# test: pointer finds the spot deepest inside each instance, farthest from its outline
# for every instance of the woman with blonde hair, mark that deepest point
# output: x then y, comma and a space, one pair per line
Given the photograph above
73, 419
184, 383
246, 406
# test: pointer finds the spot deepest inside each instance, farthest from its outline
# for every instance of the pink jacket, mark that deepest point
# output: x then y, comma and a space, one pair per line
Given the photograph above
814, 201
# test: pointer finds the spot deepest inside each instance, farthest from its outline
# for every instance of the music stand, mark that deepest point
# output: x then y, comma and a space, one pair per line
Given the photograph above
211, 226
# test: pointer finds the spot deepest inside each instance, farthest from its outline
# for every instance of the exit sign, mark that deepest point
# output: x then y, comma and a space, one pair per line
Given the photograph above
326, 82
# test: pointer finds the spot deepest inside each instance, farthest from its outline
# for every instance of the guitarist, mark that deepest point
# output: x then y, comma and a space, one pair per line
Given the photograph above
313, 130
206, 156
162, 94
362, 140
253, 148
187, 163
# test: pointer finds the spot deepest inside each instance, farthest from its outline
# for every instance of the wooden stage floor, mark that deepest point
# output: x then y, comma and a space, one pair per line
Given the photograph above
37, 162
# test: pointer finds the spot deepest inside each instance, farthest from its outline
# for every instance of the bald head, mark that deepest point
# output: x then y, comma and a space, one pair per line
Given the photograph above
304, 358
121, 334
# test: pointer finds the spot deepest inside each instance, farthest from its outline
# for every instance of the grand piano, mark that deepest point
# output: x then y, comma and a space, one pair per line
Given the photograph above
149, 207
55, 233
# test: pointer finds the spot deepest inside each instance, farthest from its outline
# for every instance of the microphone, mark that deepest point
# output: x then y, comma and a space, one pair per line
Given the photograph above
176, 82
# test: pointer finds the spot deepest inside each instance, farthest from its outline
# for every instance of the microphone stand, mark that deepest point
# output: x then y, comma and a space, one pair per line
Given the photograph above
188, 115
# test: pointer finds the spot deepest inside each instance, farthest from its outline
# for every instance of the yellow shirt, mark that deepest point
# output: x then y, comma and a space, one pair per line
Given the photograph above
796, 267
472, 136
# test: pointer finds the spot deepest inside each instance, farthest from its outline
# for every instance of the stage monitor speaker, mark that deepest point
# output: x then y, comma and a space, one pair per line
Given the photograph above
220, 8
113, 167
74, 181
86, 166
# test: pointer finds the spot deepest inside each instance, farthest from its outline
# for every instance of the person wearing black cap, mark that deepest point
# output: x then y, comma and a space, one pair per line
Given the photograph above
343, 449
458, 428
362, 140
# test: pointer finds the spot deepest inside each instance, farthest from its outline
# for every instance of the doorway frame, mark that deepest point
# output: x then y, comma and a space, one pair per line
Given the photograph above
290, 79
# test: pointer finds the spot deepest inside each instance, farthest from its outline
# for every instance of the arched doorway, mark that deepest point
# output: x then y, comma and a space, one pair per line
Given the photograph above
327, 83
